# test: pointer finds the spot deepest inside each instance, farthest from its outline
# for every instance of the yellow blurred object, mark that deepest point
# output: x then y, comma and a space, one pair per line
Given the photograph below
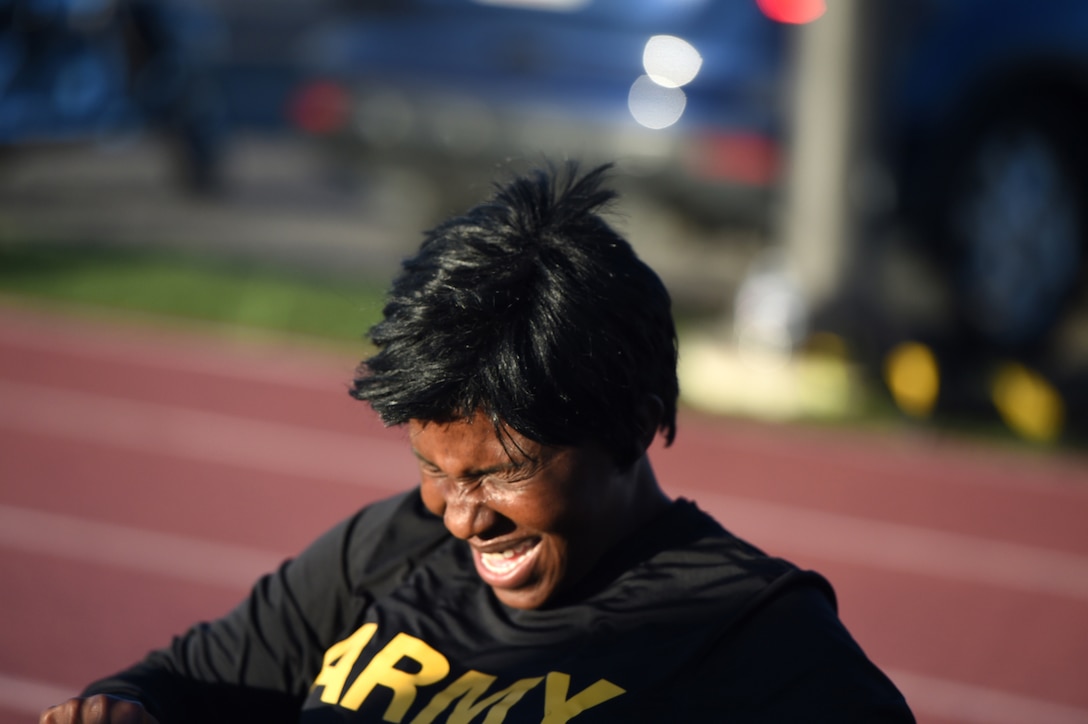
1027, 403
912, 375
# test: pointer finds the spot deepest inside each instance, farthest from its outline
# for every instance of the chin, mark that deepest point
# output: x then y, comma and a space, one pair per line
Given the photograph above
524, 600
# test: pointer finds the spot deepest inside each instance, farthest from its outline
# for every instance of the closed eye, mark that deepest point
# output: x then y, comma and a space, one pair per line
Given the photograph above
431, 470
512, 478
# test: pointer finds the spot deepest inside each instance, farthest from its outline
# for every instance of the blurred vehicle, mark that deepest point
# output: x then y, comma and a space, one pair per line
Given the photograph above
977, 105
984, 106
683, 95
100, 70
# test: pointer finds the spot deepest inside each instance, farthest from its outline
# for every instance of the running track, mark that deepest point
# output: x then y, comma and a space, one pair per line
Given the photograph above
147, 478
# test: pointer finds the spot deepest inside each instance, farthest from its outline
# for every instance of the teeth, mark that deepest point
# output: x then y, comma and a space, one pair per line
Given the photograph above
502, 558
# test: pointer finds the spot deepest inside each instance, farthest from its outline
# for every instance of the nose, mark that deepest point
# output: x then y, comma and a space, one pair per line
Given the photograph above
466, 514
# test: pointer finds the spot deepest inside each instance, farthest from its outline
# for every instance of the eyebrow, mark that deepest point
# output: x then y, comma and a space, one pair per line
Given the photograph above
480, 472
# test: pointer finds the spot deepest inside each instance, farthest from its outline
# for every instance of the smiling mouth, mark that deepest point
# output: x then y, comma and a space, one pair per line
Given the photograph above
506, 567
504, 561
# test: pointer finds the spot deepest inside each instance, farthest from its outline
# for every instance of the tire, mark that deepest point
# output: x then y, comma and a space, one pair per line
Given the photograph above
1013, 225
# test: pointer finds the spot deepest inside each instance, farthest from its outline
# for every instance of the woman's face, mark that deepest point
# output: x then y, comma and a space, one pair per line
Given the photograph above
538, 518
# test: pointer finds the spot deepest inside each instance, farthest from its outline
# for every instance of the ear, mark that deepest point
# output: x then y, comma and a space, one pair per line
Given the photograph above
649, 415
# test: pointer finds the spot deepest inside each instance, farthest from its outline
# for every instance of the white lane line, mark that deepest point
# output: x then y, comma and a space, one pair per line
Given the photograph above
973, 704
206, 436
359, 460
795, 532
275, 360
146, 551
30, 696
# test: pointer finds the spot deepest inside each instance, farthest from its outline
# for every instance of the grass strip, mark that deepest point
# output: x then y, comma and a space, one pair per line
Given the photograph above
192, 287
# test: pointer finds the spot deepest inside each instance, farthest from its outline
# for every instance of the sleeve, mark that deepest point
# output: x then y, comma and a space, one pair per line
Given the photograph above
257, 662
792, 660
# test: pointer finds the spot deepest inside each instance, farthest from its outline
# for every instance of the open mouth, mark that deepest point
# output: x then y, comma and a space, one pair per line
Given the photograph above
507, 568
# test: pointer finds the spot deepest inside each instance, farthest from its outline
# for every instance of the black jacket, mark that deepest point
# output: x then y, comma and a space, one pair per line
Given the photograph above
385, 619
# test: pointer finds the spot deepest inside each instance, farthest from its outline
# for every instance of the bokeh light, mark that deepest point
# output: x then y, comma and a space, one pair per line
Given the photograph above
670, 61
655, 106
794, 12
1027, 402
913, 377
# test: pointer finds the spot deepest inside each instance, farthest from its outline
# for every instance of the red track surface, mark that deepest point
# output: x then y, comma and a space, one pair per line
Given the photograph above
146, 479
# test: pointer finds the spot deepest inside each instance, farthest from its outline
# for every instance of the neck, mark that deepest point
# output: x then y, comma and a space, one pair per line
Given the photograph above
646, 503
648, 500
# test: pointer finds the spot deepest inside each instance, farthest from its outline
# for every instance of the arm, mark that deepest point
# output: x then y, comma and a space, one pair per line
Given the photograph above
257, 663
250, 664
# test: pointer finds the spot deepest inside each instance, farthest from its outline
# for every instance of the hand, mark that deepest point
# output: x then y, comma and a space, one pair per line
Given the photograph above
98, 709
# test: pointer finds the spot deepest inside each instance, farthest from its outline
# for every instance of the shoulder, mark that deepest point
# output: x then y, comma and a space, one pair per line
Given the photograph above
778, 651
695, 555
792, 659
389, 538
376, 545
775, 648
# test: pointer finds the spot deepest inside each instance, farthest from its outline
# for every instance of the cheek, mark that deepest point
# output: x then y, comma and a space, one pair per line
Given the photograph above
531, 510
433, 499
